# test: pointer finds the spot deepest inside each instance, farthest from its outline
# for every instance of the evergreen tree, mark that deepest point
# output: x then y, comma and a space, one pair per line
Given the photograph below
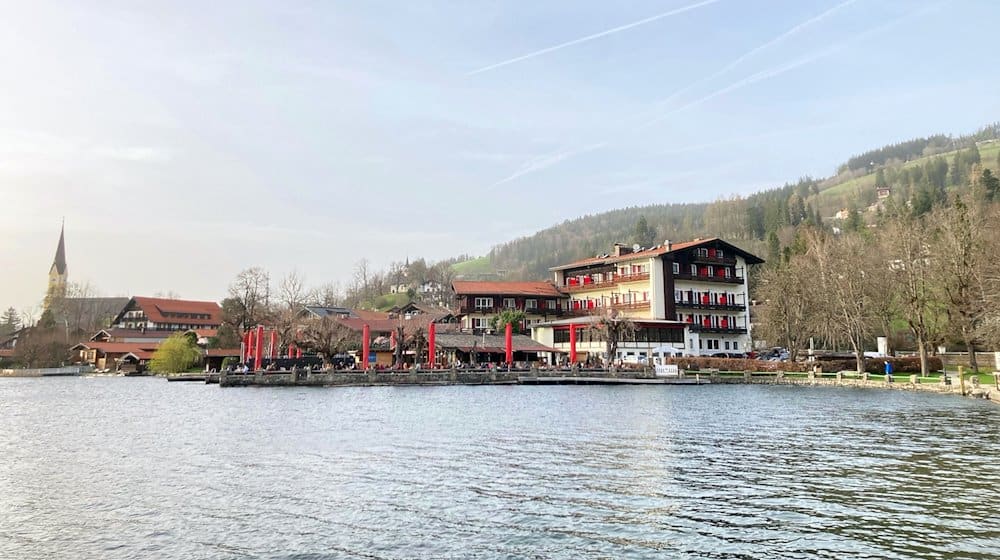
972, 156
644, 235
853, 221
958, 169
10, 321
990, 183
880, 179
773, 248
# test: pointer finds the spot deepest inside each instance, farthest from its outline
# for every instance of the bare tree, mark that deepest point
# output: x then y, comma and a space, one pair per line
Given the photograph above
788, 315
965, 250
907, 244
843, 268
614, 328
327, 337
292, 291
249, 298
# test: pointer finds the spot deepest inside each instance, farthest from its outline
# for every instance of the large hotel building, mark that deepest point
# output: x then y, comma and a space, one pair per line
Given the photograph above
683, 298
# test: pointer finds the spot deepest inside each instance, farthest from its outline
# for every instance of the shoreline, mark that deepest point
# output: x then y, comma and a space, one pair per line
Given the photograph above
374, 378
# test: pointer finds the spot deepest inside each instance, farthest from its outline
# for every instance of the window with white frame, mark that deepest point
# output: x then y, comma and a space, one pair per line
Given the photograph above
677, 268
711, 270
484, 303
508, 302
694, 270
678, 295
718, 253
531, 304
551, 304
480, 323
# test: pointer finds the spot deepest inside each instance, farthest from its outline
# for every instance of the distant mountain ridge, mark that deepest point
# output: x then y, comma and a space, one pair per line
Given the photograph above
761, 223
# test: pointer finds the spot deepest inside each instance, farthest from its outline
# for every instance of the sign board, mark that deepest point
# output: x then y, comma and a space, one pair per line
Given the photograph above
668, 370
371, 357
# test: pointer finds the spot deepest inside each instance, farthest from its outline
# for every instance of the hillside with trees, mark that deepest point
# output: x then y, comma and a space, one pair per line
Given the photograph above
916, 174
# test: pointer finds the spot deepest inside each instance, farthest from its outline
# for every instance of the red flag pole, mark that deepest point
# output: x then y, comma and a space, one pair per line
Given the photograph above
572, 344
431, 344
274, 345
258, 348
366, 347
509, 343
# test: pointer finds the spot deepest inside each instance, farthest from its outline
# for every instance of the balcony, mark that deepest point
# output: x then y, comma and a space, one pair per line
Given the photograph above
716, 330
716, 279
731, 261
700, 304
631, 306
615, 280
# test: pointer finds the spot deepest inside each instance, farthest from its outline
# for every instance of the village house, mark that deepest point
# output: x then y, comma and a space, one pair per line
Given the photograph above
688, 298
159, 314
478, 302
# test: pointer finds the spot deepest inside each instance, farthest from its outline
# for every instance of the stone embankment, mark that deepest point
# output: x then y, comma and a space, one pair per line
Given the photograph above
306, 378
968, 387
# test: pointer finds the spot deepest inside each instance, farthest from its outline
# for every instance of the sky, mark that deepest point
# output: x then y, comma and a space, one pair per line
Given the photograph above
185, 141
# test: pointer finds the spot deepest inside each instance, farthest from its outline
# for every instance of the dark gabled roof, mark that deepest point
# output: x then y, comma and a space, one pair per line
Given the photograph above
660, 251
321, 311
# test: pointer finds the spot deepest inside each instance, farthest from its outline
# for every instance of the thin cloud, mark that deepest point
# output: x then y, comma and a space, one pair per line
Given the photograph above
779, 70
739, 60
545, 161
604, 33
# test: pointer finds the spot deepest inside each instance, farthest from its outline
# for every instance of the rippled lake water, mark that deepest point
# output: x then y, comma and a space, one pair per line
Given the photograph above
142, 468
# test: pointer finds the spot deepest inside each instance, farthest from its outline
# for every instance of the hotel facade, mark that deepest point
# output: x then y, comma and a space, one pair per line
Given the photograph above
683, 298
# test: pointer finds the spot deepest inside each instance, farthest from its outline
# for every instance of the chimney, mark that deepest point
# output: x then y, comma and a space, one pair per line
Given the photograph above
621, 249
667, 244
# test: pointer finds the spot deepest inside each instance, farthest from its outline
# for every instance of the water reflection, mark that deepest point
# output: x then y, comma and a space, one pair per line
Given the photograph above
123, 468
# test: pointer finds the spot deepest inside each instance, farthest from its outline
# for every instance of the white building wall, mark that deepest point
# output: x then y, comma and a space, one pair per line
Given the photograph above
658, 305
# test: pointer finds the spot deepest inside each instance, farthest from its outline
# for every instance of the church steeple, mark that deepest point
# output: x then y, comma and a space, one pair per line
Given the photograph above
57, 273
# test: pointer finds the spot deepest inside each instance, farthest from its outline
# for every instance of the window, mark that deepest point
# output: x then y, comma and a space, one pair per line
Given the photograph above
508, 302
551, 304
728, 273
718, 253
711, 271
727, 345
678, 296
703, 252
677, 268
480, 323
484, 303
531, 304
736, 345
694, 270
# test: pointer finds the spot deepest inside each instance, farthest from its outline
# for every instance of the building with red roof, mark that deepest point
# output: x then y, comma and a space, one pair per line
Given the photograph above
160, 314
477, 302
696, 287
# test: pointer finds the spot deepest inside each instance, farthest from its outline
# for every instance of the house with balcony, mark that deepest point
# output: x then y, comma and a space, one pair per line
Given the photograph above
160, 314
688, 298
477, 302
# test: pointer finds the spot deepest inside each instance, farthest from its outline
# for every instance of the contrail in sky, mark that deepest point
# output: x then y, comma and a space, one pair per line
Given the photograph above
605, 33
739, 60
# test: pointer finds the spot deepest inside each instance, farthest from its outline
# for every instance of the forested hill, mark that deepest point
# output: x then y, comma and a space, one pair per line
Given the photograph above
918, 172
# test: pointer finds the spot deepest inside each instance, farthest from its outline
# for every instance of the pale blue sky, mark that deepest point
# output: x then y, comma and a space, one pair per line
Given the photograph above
184, 141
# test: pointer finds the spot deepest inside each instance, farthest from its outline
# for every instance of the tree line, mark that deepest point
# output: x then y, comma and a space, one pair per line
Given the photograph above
919, 279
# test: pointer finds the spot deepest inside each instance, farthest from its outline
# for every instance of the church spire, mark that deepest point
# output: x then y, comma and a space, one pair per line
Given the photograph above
57, 274
59, 264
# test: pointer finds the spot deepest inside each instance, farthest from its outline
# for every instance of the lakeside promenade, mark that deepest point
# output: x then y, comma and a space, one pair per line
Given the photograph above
969, 386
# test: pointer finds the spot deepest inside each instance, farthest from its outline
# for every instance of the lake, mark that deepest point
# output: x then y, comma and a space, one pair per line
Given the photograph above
142, 468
